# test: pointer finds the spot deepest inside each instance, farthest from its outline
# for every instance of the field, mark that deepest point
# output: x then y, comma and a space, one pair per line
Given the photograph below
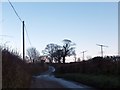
96, 81
97, 72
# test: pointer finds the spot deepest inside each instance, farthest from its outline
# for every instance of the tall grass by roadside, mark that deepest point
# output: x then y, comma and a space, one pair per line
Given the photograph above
16, 73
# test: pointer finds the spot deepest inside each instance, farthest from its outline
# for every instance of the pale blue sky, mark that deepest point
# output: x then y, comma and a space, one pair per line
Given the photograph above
86, 24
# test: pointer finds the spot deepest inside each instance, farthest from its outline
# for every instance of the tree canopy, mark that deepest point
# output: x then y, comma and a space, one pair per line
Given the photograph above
57, 52
51, 50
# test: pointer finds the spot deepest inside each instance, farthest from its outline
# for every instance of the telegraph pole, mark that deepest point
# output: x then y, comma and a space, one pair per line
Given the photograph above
83, 53
75, 57
23, 43
22, 30
101, 48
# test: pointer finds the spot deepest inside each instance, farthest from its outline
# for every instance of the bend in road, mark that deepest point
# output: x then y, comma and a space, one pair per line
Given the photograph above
48, 77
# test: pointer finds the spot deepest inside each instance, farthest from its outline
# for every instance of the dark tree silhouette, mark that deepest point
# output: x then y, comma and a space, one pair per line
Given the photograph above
50, 50
68, 48
58, 55
33, 54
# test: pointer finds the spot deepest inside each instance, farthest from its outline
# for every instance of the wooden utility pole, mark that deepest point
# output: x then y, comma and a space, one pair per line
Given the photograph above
101, 48
23, 43
75, 57
83, 53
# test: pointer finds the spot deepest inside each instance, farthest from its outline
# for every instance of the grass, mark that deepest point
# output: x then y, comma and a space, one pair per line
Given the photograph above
97, 81
97, 72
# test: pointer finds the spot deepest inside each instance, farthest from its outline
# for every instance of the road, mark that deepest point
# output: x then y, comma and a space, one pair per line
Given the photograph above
47, 80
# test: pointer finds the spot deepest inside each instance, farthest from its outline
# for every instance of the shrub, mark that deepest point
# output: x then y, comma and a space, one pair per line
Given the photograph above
16, 73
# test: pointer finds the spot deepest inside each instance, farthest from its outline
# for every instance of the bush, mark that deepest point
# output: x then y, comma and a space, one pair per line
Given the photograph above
97, 65
16, 73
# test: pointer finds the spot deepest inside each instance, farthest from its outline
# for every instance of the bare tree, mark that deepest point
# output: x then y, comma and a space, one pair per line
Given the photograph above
50, 51
33, 54
68, 48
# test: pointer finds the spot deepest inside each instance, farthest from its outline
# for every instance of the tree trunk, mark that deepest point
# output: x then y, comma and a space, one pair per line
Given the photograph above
51, 60
59, 61
63, 59
33, 60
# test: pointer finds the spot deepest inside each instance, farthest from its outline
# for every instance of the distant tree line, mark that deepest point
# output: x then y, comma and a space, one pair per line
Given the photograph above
52, 52
58, 53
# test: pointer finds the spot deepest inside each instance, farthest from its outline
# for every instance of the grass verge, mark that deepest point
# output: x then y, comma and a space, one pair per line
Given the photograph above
97, 81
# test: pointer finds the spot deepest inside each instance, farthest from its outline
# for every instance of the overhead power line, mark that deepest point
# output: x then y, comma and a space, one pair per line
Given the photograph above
21, 21
28, 36
6, 36
15, 10
24, 27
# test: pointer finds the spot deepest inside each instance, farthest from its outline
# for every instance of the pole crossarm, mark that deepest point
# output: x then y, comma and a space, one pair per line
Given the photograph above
83, 53
101, 48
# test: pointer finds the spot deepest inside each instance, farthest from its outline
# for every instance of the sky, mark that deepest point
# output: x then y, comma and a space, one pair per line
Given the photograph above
84, 23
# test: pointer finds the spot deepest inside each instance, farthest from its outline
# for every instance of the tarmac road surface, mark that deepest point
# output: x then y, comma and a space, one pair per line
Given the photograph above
47, 80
